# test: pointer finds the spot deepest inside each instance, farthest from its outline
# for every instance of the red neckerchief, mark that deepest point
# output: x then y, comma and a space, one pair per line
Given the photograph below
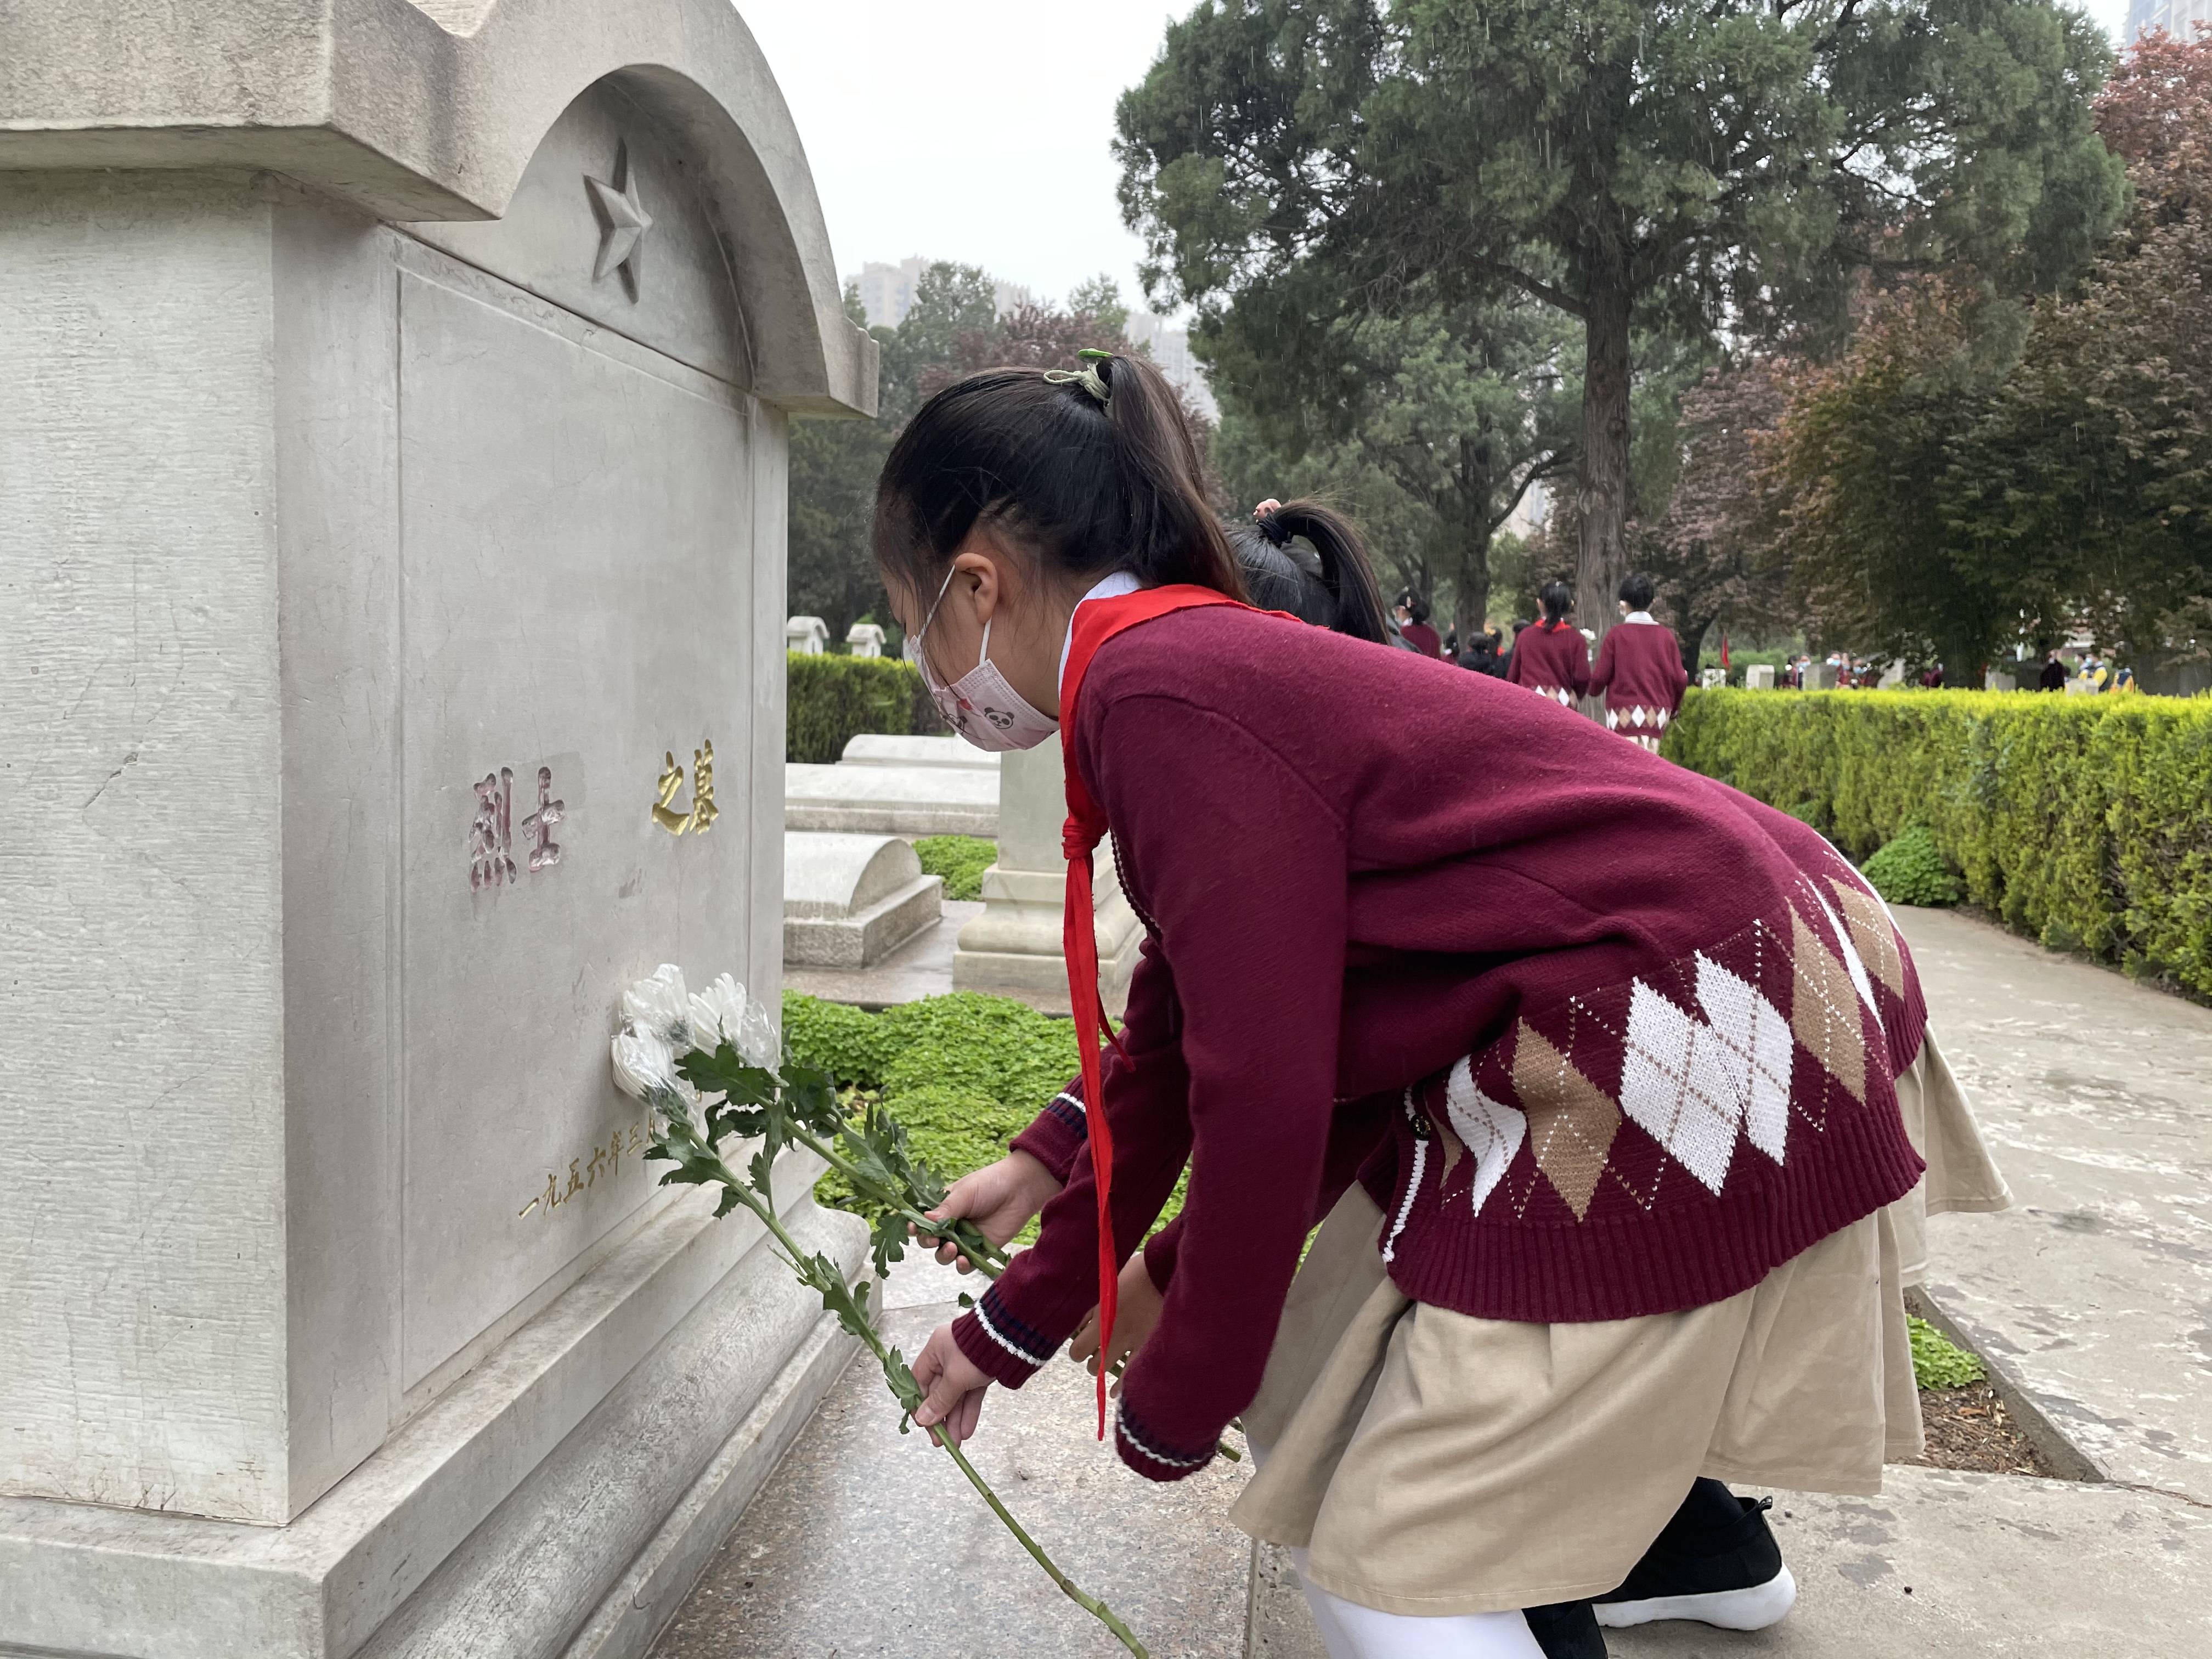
1097, 621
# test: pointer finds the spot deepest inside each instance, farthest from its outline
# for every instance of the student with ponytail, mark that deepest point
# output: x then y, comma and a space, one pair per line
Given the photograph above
1597, 1087
1550, 655
1339, 593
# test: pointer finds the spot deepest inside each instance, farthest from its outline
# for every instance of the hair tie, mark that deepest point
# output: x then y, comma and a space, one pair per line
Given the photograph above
1272, 526
1088, 376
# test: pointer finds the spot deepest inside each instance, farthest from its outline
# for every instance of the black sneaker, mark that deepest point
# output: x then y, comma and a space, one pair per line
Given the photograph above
1566, 1630
1730, 1575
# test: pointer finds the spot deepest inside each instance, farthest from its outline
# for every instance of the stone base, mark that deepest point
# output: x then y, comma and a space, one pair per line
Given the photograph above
867, 937
558, 1500
1015, 945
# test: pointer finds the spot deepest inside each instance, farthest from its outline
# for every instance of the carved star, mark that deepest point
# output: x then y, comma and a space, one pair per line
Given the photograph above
623, 223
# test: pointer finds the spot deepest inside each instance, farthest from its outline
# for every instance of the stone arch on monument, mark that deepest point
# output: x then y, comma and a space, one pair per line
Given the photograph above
393, 533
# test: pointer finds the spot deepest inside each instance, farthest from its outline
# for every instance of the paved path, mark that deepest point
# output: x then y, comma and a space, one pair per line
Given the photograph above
1941, 1563
866, 1542
2094, 1293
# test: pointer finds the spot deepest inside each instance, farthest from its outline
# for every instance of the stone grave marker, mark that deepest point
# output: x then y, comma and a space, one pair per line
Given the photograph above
807, 636
392, 546
850, 900
1015, 944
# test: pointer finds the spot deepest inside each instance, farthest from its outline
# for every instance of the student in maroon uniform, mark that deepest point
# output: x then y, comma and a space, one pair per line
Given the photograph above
1639, 669
1598, 1089
1550, 655
1413, 624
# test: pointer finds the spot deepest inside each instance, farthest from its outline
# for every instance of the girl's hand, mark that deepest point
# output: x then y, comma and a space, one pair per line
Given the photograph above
952, 1385
999, 1198
1271, 505
1139, 1310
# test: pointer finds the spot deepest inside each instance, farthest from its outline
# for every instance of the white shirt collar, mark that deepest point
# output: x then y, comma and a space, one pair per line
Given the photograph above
1110, 587
1640, 616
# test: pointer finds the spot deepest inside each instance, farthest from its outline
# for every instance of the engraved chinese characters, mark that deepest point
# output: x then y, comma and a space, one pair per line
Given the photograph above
491, 862
584, 1173
488, 863
704, 811
538, 826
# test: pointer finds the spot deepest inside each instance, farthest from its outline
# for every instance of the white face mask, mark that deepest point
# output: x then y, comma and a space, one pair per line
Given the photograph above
980, 705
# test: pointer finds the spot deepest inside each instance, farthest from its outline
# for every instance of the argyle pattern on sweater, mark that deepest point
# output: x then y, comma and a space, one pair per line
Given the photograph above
1738, 1055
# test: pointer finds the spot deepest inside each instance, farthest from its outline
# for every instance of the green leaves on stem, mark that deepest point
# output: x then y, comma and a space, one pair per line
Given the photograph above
800, 1108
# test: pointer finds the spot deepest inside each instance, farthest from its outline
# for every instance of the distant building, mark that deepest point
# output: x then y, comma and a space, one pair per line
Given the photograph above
1170, 350
1527, 517
887, 291
2177, 18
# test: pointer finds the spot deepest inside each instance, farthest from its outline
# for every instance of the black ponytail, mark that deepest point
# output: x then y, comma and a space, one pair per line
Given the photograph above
1557, 598
1353, 603
1090, 472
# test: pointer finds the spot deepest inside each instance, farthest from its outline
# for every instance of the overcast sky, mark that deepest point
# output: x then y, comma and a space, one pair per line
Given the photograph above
977, 130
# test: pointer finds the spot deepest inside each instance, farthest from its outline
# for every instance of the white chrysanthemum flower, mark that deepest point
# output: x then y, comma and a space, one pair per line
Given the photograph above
718, 1013
645, 1065
757, 1038
660, 1004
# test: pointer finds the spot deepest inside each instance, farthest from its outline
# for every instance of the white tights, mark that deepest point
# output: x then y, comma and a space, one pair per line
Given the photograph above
1349, 1630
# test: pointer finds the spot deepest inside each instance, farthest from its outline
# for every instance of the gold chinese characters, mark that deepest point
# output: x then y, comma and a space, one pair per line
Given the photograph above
585, 1172
704, 811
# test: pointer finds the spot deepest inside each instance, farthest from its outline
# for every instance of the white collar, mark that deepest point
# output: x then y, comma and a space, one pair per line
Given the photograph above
1640, 616
1109, 588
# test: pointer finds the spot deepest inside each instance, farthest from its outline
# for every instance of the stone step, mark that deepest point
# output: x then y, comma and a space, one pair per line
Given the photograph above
891, 800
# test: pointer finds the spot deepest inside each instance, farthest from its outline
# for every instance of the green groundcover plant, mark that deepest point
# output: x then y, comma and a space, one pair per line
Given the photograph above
1938, 1362
709, 1067
964, 1073
961, 859
1910, 870
2083, 822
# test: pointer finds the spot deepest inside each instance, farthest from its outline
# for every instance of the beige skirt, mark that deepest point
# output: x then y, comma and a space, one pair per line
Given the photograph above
1432, 1463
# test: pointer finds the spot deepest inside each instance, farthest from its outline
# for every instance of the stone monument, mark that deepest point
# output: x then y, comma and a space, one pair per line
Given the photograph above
393, 483
1015, 945
1759, 676
864, 640
806, 636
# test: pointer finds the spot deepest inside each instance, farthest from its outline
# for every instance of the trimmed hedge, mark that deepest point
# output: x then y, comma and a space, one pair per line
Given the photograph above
829, 699
2086, 822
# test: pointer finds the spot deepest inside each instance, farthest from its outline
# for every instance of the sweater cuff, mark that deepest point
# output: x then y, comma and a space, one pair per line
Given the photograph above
1145, 1452
1058, 1135
1003, 1347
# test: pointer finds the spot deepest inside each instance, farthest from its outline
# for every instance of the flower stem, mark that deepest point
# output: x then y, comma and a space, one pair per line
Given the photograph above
988, 1259
990, 1266
839, 1299
1074, 1592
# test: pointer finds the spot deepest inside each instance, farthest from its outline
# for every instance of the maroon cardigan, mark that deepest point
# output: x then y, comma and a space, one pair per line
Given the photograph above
1603, 1037
1550, 657
1639, 665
